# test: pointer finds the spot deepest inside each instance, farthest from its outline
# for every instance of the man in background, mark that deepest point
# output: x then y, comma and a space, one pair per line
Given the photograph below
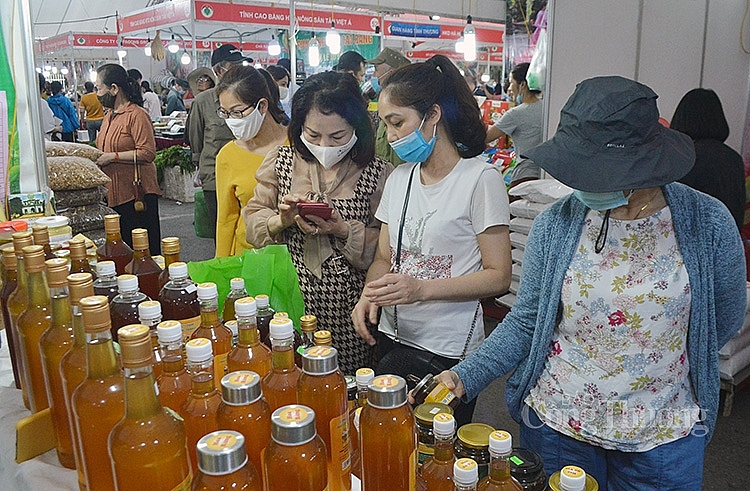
92, 112
174, 98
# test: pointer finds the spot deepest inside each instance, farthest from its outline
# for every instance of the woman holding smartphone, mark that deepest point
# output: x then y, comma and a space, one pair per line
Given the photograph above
319, 196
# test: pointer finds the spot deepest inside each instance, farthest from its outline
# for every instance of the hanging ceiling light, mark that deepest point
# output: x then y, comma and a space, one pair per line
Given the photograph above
92, 75
313, 52
64, 70
38, 70
257, 66
54, 68
185, 58
460, 45
173, 47
470, 41
485, 77
274, 49
121, 53
47, 68
333, 40
147, 49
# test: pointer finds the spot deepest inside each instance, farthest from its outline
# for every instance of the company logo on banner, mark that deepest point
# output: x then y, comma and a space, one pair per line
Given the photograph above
160, 15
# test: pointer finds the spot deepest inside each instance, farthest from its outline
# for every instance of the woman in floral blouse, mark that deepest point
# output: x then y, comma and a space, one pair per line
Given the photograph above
629, 289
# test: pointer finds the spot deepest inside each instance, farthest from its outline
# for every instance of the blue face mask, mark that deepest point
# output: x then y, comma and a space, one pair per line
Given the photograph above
602, 201
413, 147
375, 84
519, 99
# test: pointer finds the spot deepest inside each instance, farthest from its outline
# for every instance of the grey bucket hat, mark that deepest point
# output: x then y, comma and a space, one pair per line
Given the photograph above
610, 139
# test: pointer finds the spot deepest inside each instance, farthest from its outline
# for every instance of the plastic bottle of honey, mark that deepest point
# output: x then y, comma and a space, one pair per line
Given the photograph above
98, 403
212, 329
499, 478
106, 281
54, 343
170, 249
73, 363
124, 307
437, 471
308, 325
200, 407
264, 316
40, 234
237, 291
465, 475
244, 409
363, 377
10, 283
223, 464
179, 299
296, 456
323, 338
114, 248
280, 384
232, 326
149, 314
148, 445
572, 478
388, 434
17, 302
322, 387
32, 323
142, 265
249, 353
174, 380
79, 262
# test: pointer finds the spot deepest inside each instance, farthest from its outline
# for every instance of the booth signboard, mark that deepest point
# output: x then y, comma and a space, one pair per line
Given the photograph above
156, 17
486, 33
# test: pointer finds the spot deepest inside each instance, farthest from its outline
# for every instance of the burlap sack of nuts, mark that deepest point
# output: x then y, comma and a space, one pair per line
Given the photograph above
74, 173
66, 149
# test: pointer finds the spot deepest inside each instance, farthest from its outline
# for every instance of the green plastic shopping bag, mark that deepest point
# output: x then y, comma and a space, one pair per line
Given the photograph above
201, 222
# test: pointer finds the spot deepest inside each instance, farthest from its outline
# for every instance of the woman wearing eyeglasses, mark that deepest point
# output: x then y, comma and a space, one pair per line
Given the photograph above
249, 103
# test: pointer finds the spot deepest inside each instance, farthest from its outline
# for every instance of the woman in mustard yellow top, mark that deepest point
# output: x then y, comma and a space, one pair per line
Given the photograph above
249, 103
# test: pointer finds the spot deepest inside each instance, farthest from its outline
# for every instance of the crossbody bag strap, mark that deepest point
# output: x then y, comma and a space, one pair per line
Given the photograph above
397, 266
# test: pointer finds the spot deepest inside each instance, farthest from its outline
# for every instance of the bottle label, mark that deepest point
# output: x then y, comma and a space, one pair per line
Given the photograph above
186, 484
220, 367
189, 325
441, 394
340, 472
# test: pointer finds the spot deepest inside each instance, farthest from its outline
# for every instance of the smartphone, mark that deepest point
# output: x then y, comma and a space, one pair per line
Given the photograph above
322, 210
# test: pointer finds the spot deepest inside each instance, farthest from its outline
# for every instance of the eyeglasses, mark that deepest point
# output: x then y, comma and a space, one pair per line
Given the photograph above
236, 114
204, 79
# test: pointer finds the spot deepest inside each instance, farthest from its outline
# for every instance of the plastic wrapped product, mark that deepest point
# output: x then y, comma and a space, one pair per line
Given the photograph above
90, 196
74, 173
66, 149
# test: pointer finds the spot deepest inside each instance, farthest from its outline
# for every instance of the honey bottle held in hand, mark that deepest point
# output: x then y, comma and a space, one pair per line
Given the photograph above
54, 344
106, 281
17, 302
223, 464
212, 329
179, 299
170, 249
79, 262
200, 407
10, 283
114, 248
174, 380
296, 456
124, 307
237, 291
148, 445
437, 471
99, 402
142, 265
249, 353
244, 409
280, 384
32, 323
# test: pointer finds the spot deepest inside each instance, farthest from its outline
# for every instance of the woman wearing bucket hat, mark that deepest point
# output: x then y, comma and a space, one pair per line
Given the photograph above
629, 288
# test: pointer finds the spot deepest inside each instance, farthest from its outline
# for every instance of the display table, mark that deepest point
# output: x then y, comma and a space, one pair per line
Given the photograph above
163, 142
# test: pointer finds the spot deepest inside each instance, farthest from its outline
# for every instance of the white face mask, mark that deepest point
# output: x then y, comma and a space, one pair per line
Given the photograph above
246, 128
329, 156
283, 93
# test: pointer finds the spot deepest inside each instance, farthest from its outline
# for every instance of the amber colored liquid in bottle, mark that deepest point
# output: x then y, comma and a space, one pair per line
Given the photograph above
174, 381
212, 329
124, 307
263, 318
73, 363
79, 262
10, 283
148, 446
114, 248
280, 384
17, 302
40, 234
31, 325
106, 282
170, 249
54, 344
499, 478
179, 301
437, 471
143, 266
222, 453
98, 403
244, 479
236, 292
250, 353
326, 395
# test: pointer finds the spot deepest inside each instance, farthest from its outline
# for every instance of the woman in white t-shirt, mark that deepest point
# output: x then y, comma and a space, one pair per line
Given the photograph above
444, 240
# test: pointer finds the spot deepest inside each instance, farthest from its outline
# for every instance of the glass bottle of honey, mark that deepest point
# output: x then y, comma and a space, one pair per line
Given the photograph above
323, 338
322, 387
264, 316
388, 433
308, 325
465, 475
149, 314
10, 283
280, 384
124, 307
73, 363
296, 455
114, 248
98, 403
249, 353
237, 291
40, 234
174, 380
499, 478
17, 302
79, 262
143, 266
199, 409
170, 249
54, 344
244, 409
106, 281
223, 464
179, 299
212, 329
437, 471
148, 445
32, 323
